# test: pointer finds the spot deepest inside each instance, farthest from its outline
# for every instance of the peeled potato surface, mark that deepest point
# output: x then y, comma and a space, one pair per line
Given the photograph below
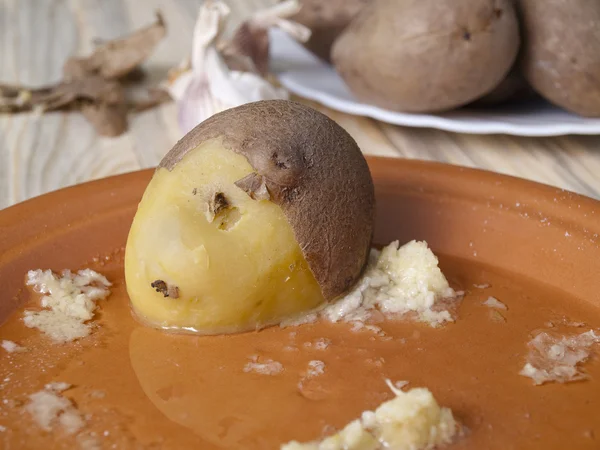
236, 270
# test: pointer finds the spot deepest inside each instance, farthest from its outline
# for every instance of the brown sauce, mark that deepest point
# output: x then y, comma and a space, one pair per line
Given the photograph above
143, 388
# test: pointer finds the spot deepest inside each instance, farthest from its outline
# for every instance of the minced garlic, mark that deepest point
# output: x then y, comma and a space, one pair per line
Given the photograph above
11, 346
557, 358
315, 368
493, 302
70, 302
263, 367
49, 408
397, 280
412, 420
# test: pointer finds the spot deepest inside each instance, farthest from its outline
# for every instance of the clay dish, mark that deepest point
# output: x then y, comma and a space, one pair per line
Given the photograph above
536, 248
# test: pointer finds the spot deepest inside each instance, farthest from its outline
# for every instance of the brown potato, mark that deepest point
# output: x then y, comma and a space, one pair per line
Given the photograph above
427, 55
260, 213
561, 52
326, 19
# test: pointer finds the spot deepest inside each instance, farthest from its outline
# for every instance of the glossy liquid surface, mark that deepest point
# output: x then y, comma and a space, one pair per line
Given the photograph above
144, 388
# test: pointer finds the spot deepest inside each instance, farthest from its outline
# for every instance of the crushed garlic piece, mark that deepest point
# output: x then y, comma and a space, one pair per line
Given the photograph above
48, 407
11, 346
557, 358
493, 302
70, 302
264, 367
412, 420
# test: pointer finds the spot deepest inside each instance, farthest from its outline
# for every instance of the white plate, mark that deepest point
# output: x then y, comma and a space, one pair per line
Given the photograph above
305, 75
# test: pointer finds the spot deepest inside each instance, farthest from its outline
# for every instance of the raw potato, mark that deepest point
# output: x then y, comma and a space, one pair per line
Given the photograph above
326, 20
561, 54
427, 55
259, 213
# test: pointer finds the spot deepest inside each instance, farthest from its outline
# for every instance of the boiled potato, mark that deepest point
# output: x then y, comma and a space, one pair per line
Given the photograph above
427, 55
326, 21
513, 88
561, 54
259, 213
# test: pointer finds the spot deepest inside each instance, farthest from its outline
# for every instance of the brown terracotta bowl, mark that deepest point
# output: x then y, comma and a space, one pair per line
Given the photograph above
537, 247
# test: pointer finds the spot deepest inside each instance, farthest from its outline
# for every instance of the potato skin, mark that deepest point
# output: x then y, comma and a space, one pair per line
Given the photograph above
313, 170
513, 88
427, 55
327, 20
561, 52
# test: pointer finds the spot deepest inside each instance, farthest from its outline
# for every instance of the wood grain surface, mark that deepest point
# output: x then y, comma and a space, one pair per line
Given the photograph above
39, 154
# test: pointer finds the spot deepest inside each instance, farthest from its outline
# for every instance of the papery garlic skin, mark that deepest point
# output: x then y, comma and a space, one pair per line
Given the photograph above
208, 86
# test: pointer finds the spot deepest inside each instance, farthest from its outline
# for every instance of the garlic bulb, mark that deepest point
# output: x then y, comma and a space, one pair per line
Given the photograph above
206, 85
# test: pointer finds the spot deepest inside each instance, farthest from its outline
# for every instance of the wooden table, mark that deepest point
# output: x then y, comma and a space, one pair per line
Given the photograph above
43, 153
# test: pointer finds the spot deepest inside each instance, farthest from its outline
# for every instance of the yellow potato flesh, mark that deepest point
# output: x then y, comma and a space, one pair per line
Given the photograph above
240, 271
